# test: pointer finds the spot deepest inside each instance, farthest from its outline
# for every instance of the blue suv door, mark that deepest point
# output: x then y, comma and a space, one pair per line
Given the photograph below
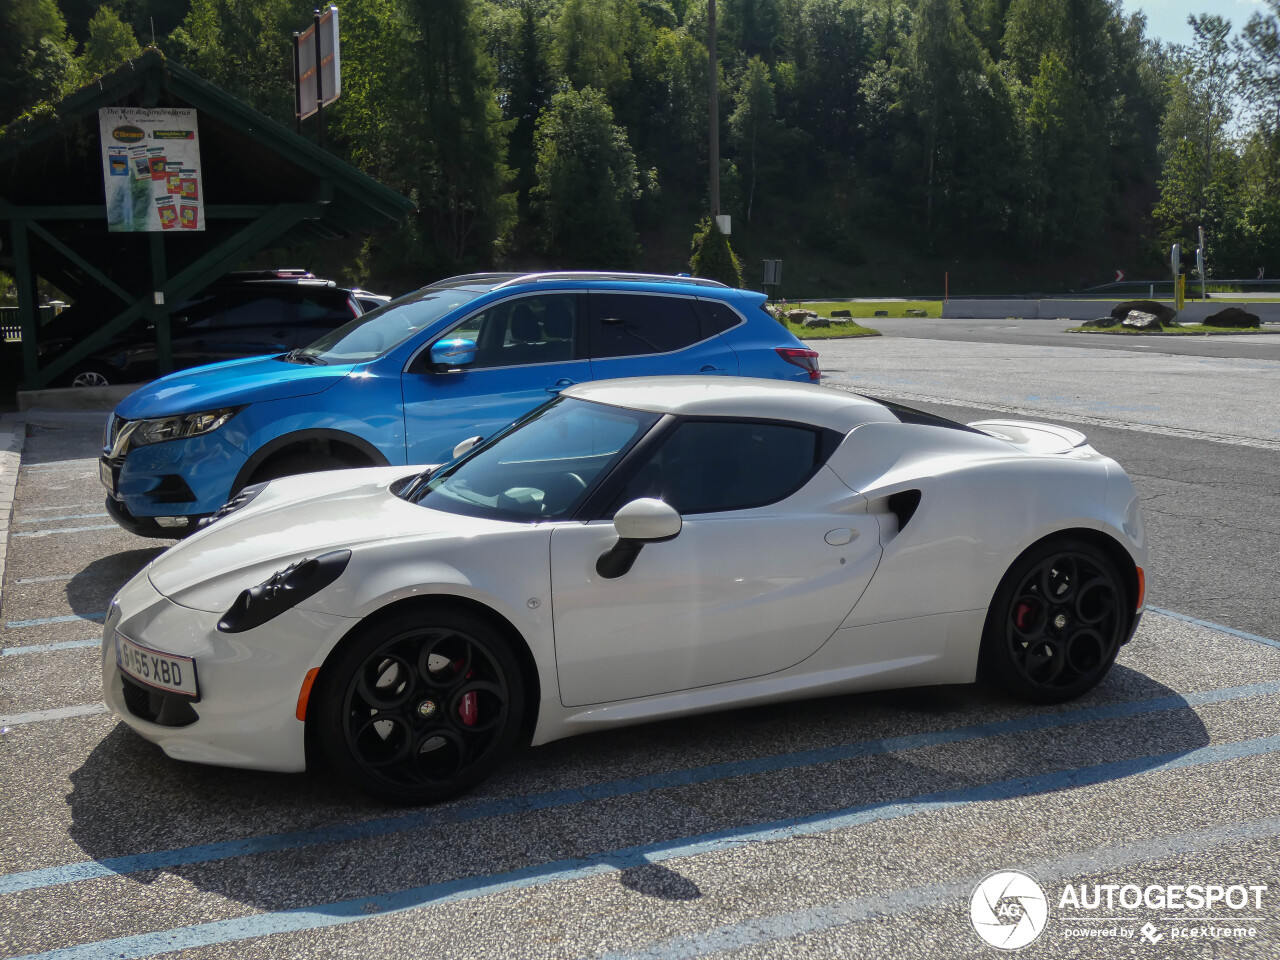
528, 348
649, 334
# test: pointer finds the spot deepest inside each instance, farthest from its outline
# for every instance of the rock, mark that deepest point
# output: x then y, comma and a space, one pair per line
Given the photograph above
882, 313
1140, 320
1161, 311
840, 313
917, 313
814, 320
842, 321
1233, 317
1101, 322
799, 316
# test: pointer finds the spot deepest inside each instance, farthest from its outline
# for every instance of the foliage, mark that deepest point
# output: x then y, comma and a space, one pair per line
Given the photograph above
110, 43
587, 179
713, 256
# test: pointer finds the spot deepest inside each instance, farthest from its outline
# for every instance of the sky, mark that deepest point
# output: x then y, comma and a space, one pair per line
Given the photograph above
1167, 19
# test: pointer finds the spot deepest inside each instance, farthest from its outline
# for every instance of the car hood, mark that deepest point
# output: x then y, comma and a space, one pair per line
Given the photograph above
227, 384
297, 517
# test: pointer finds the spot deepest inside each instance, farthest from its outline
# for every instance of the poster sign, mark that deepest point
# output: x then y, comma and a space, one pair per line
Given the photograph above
151, 169
322, 65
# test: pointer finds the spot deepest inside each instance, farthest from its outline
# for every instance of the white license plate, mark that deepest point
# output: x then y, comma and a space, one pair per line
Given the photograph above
107, 476
163, 671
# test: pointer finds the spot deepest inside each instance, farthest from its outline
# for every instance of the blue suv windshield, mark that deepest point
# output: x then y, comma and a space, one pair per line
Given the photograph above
373, 334
540, 469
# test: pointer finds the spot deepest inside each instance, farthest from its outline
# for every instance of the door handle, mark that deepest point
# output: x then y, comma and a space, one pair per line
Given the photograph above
560, 385
711, 368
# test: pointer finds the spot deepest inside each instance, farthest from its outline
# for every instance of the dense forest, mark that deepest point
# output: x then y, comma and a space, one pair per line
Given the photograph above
870, 144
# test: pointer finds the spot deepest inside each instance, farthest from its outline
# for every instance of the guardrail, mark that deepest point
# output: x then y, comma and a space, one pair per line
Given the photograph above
1080, 310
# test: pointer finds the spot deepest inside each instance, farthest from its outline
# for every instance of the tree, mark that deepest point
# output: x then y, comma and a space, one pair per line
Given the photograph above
751, 122
587, 180
35, 55
713, 256
110, 43
1258, 58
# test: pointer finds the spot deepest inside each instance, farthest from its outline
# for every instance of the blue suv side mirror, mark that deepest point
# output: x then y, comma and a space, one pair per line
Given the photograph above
456, 352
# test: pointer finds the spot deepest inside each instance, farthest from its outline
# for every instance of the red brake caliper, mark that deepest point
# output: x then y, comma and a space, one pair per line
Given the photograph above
467, 708
1022, 615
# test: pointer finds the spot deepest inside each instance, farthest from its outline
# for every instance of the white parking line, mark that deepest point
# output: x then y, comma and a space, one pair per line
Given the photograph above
45, 533
60, 713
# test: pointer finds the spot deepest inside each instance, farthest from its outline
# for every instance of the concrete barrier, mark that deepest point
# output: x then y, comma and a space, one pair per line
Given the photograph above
75, 398
990, 309
1077, 311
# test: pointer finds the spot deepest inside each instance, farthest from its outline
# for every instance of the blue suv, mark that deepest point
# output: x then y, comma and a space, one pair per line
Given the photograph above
405, 383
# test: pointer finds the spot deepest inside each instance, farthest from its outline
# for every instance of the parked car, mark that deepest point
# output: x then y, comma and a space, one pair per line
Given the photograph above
245, 314
632, 550
407, 382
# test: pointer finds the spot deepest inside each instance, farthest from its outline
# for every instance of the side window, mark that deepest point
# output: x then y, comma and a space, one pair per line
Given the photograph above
312, 311
720, 316
539, 329
707, 466
625, 325
253, 312
199, 312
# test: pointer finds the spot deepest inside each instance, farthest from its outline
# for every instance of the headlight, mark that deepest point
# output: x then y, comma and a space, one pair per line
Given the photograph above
180, 427
283, 591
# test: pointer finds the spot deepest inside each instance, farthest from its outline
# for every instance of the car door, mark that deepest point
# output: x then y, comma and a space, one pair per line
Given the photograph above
773, 554
529, 348
636, 334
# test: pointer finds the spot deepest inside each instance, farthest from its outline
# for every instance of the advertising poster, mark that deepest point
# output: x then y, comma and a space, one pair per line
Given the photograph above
151, 169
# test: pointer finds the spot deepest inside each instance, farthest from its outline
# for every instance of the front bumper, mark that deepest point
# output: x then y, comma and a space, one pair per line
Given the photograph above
249, 682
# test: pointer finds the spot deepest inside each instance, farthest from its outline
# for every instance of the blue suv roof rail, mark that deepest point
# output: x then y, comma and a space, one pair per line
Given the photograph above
609, 275
467, 279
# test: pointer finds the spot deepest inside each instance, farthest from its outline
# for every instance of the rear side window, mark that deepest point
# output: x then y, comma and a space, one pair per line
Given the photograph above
707, 466
719, 316
625, 325
315, 311
253, 312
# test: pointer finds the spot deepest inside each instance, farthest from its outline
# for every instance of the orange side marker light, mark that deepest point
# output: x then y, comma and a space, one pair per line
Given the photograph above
1142, 588
305, 693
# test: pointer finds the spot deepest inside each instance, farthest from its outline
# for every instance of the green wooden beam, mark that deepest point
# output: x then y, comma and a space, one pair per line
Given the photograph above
245, 242
107, 283
160, 311
27, 307
225, 211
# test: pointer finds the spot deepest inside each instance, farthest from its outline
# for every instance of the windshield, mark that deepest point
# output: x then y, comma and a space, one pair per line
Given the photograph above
543, 467
376, 332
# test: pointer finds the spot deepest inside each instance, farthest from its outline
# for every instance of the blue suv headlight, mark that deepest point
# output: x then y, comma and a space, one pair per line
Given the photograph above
145, 432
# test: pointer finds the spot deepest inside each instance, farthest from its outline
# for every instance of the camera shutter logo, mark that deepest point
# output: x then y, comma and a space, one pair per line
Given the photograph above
1008, 910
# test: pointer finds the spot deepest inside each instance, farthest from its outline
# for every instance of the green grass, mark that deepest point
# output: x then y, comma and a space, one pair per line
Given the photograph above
867, 308
1194, 330
831, 333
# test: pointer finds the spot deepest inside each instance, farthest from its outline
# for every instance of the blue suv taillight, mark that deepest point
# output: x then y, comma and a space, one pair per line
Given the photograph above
805, 359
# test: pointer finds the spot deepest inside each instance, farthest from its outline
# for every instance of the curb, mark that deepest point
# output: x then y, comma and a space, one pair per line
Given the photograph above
13, 434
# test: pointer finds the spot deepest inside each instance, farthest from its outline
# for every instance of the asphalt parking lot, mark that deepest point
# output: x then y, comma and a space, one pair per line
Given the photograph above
854, 826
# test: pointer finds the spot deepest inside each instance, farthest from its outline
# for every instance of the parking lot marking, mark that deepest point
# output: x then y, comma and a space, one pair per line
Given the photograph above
60, 713
68, 576
785, 926
45, 533
69, 618
64, 506
63, 466
341, 912
486, 809
46, 647
1230, 631
72, 516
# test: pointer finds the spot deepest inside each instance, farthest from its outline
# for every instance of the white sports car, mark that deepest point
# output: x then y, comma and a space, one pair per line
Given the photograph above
632, 550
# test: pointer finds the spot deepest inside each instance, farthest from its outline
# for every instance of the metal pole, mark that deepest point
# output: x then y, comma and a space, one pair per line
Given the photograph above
319, 81
297, 83
715, 112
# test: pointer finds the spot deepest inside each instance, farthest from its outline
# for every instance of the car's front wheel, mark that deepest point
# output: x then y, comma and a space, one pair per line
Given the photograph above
1056, 622
421, 705
89, 377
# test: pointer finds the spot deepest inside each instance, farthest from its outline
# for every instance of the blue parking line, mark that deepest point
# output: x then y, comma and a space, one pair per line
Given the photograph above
487, 809
1265, 641
798, 923
70, 618
47, 647
342, 912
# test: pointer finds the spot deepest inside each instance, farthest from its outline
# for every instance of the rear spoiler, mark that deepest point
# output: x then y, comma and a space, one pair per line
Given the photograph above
1030, 437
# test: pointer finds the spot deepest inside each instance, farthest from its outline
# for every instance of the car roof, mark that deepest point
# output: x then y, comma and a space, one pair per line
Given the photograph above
487, 282
740, 397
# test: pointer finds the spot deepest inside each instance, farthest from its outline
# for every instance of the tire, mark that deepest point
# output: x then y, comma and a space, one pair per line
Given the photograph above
1056, 622
420, 706
89, 377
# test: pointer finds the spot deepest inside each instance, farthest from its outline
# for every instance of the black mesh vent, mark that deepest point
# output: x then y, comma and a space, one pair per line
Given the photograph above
157, 707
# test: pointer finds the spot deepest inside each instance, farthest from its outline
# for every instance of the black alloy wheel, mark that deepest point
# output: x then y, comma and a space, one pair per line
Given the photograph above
420, 706
1056, 622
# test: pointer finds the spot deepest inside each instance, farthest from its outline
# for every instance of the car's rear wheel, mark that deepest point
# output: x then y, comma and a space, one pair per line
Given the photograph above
421, 705
1056, 622
89, 377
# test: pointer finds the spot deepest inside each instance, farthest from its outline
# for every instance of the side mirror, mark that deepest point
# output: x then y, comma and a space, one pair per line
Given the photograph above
465, 445
639, 522
457, 352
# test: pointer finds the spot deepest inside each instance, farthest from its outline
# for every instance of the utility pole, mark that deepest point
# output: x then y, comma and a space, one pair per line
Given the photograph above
714, 140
